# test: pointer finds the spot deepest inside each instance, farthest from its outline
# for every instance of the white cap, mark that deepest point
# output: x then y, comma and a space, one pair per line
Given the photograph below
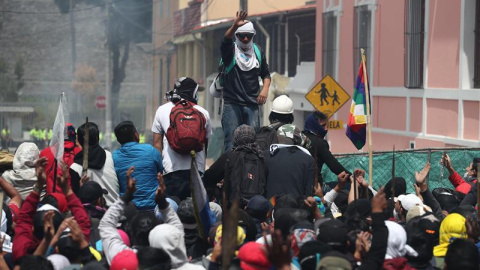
282, 105
410, 200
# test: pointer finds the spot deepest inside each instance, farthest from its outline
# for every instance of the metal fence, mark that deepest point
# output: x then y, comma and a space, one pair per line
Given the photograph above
406, 163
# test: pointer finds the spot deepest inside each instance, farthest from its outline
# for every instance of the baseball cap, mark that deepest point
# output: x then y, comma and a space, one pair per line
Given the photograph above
258, 207
91, 191
409, 200
334, 261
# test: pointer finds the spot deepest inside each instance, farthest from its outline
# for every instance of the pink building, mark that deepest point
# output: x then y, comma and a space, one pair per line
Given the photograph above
424, 68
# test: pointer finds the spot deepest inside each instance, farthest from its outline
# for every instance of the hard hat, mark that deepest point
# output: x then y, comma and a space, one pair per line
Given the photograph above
282, 105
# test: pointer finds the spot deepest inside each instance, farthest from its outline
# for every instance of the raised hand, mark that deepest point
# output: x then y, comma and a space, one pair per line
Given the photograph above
62, 180
446, 162
76, 233
422, 175
161, 192
40, 172
85, 178
131, 182
240, 18
48, 228
279, 252
60, 230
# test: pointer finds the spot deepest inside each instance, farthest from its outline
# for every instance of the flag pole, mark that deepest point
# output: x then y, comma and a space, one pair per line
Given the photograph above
369, 122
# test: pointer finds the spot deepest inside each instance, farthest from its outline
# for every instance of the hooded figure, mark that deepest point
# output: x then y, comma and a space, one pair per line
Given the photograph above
244, 53
397, 247
171, 239
22, 177
452, 227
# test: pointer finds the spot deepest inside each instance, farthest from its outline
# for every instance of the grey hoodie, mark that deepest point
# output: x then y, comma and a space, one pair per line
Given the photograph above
170, 237
111, 240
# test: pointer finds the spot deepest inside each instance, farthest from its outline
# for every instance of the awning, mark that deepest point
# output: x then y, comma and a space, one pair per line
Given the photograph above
300, 85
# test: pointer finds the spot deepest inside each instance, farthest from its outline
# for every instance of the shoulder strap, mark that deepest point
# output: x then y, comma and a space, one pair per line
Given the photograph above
258, 54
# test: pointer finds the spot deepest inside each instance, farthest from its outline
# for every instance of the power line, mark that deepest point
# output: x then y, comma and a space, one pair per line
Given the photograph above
57, 12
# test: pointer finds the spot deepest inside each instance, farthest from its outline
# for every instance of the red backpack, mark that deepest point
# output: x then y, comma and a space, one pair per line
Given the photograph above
187, 128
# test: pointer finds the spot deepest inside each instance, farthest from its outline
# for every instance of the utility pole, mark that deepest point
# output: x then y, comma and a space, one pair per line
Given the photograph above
72, 31
244, 5
108, 102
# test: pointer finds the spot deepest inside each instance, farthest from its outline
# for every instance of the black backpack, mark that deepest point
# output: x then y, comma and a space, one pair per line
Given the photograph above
246, 176
267, 135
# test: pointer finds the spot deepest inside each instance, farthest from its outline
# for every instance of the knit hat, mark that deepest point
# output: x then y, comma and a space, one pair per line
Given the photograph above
124, 260
253, 257
290, 134
243, 134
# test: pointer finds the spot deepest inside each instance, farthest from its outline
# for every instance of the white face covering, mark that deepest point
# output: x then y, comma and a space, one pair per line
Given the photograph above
244, 53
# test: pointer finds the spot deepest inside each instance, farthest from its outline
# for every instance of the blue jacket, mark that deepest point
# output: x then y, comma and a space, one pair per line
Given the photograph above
147, 162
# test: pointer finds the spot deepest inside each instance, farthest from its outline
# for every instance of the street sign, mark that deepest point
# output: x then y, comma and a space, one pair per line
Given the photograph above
100, 102
327, 96
335, 124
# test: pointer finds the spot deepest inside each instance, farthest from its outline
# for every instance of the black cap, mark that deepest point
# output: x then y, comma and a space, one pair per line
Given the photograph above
333, 232
90, 192
186, 84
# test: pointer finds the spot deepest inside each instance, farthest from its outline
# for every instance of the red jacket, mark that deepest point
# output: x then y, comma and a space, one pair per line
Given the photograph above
24, 241
460, 184
69, 153
399, 263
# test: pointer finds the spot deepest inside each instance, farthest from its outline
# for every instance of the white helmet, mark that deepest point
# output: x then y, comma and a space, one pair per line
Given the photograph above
282, 105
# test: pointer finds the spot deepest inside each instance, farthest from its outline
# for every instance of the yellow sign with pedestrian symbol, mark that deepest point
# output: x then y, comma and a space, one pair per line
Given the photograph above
327, 96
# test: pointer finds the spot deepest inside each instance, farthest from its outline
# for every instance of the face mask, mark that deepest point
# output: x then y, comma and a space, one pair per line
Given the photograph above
322, 132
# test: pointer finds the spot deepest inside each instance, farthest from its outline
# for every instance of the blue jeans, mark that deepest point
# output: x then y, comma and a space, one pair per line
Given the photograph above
235, 115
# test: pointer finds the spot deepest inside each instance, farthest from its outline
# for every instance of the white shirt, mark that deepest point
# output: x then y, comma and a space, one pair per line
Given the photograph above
173, 161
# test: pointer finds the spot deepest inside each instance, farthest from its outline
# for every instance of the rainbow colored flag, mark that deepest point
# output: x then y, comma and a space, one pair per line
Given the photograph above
357, 119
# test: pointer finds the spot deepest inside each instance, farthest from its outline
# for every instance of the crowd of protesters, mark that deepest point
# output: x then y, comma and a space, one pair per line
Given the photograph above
136, 208
120, 214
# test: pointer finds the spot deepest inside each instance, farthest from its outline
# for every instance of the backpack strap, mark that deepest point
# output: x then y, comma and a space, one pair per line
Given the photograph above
258, 54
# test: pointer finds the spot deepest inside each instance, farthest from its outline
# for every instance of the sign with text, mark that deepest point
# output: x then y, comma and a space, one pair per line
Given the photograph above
335, 124
327, 96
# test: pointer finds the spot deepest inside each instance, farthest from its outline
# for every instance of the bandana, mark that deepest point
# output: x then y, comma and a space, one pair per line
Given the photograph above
312, 126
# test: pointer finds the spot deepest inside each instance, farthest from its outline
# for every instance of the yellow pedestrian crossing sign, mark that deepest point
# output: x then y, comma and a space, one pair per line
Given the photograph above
327, 96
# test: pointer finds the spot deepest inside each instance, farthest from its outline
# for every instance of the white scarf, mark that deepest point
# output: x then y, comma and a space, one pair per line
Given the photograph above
245, 57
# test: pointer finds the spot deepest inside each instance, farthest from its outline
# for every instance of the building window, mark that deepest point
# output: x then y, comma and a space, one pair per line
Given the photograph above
476, 78
362, 31
160, 9
414, 40
329, 43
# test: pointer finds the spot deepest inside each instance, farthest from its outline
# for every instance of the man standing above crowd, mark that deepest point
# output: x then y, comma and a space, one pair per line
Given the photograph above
146, 160
176, 164
244, 62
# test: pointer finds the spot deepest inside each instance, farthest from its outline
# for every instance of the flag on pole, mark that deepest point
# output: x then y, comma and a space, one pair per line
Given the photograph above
357, 119
203, 215
58, 131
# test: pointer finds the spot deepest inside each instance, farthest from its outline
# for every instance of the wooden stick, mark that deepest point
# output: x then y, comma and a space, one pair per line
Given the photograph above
369, 122
393, 175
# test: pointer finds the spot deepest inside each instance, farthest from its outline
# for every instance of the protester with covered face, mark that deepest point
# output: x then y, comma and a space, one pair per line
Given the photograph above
244, 61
